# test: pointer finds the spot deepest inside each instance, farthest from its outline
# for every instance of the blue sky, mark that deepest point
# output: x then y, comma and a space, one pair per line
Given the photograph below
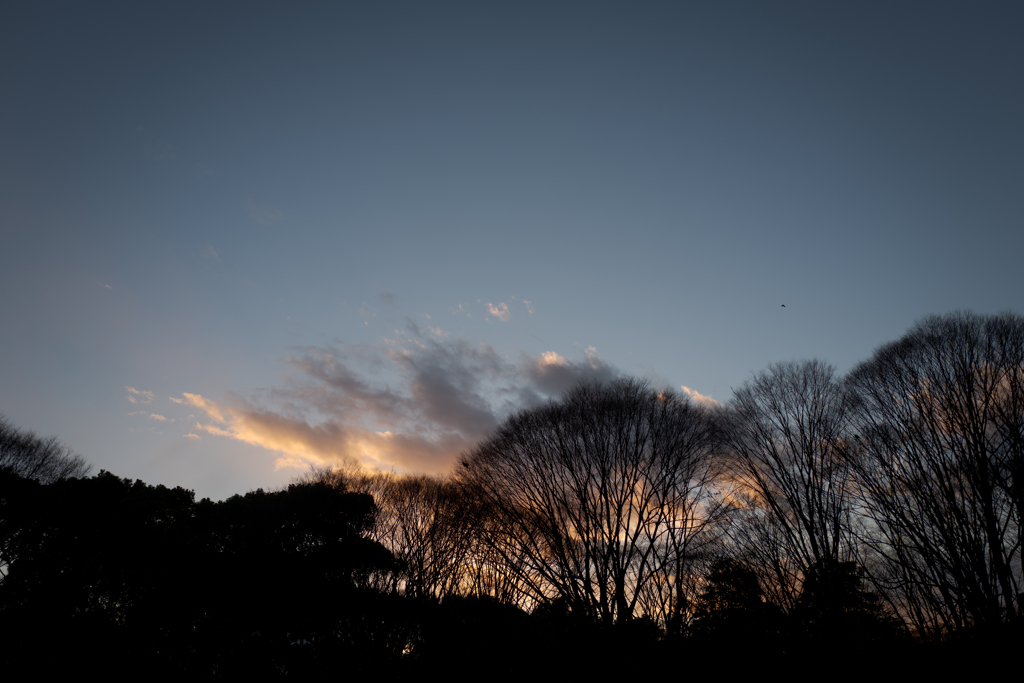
299, 232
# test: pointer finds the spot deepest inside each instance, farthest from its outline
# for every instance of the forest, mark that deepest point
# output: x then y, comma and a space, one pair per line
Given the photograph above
872, 519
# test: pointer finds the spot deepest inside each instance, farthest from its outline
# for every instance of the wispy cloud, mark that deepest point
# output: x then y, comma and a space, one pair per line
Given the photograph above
500, 311
210, 254
699, 397
160, 418
412, 404
194, 437
136, 396
262, 215
367, 313
211, 409
527, 304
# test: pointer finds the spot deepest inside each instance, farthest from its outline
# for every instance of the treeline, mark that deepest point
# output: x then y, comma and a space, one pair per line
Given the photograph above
905, 477
815, 515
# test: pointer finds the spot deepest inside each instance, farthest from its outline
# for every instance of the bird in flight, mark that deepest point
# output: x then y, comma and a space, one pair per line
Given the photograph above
783, 305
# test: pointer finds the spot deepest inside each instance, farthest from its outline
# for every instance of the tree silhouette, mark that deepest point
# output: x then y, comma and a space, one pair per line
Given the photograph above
118, 570
939, 459
732, 607
837, 605
599, 498
787, 442
43, 459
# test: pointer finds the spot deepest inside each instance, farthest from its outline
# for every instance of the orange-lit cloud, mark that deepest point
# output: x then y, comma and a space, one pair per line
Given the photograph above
551, 358
500, 311
299, 443
209, 407
136, 396
439, 398
699, 397
554, 374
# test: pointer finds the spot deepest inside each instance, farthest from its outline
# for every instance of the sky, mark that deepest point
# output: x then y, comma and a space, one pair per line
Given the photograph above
238, 239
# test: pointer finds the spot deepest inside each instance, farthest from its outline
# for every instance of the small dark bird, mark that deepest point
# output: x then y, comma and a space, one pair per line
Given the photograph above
783, 305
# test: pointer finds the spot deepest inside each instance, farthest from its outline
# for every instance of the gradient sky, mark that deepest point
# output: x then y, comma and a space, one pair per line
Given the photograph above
238, 238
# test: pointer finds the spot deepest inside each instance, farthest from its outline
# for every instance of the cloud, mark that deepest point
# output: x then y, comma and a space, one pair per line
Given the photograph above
194, 437
136, 396
208, 407
528, 304
160, 418
699, 397
500, 311
104, 286
366, 313
300, 442
210, 254
263, 216
554, 374
413, 405
388, 299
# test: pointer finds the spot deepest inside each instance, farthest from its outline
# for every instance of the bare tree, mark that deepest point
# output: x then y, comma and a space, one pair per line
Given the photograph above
45, 460
941, 423
787, 438
426, 522
601, 500
431, 534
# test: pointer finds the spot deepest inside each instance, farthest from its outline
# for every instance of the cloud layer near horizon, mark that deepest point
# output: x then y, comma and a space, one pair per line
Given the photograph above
413, 405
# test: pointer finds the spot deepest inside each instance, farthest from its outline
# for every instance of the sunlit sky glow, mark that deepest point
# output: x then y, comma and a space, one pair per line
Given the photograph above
239, 238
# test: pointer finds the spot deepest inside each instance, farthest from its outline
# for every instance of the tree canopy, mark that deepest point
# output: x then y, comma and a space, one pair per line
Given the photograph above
603, 500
